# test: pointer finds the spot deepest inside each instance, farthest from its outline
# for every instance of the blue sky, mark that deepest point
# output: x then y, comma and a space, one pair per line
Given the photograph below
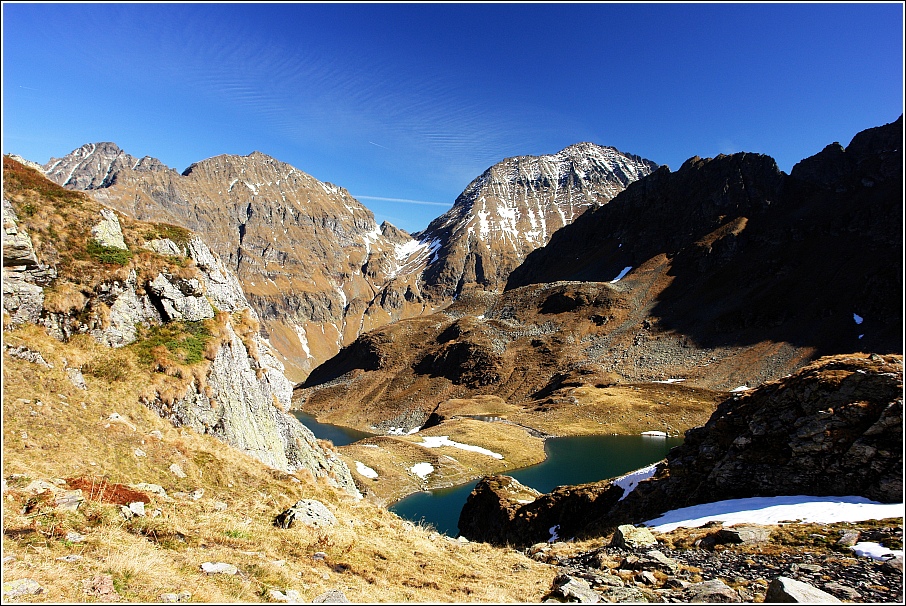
413, 101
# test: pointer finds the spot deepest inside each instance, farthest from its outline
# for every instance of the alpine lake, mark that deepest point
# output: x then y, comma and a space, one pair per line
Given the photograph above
570, 460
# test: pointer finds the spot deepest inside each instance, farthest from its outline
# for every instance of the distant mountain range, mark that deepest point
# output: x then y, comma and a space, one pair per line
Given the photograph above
314, 264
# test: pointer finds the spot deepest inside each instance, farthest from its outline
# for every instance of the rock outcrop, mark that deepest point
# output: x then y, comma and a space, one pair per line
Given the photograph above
834, 428
244, 393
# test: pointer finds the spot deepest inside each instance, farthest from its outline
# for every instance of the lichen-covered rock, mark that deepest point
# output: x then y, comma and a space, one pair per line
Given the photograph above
181, 299
23, 276
108, 232
307, 511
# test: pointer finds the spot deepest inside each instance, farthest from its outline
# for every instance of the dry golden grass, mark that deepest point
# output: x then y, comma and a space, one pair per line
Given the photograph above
623, 409
51, 429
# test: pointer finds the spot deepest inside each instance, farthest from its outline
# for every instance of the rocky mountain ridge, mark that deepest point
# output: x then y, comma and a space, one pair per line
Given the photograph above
133, 281
727, 273
312, 261
515, 206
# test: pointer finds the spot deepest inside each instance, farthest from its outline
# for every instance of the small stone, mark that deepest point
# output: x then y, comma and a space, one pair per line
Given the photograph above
70, 558
101, 586
169, 598
21, 587
277, 595
68, 500
74, 537
785, 589
647, 577
220, 506
893, 565
127, 513
319, 556
154, 489
334, 596
138, 508
219, 568
849, 538
197, 494
156, 434
140, 453
176, 470
183, 596
710, 591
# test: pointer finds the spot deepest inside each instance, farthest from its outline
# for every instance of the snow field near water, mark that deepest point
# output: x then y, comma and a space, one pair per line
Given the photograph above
632, 479
365, 470
772, 510
422, 470
438, 441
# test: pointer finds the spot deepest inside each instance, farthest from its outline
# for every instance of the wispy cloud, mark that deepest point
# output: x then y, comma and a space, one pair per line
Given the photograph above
404, 201
378, 145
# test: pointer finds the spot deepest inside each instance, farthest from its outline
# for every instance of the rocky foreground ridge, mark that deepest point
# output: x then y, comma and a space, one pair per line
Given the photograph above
834, 428
73, 267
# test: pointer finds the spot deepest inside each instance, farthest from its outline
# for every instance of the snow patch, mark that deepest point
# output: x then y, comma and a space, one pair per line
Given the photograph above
772, 510
857, 318
632, 479
623, 273
740, 388
670, 381
366, 471
303, 340
422, 470
438, 441
876, 551
655, 434
553, 530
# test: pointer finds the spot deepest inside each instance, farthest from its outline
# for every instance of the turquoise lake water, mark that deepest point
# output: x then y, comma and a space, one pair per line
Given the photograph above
340, 436
571, 460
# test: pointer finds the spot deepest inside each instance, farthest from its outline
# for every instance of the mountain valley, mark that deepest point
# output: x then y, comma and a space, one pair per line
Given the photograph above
161, 327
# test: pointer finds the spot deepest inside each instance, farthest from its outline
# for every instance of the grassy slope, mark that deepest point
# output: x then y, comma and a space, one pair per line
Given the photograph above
54, 431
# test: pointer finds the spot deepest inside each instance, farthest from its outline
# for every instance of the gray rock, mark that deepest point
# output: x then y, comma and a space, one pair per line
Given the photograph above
177, 471
163, 246
307, 511
893, 565
21, 587
618, 595
75, 537
183, 300
743, 534
849, 538
575, 589
76, 378
334, 596
68, 500
628, 535
709, 591
24, 353
786, 590
108, 232
219, 568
